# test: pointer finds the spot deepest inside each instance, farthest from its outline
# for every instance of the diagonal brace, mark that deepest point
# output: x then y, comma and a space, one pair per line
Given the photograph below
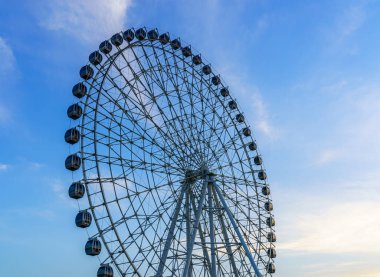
236, 228
171, 233
194, 231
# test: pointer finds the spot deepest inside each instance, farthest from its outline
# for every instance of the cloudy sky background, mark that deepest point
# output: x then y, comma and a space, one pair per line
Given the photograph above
306, 73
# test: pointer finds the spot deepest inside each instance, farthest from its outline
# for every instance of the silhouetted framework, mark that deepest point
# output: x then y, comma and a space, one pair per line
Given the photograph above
174, 181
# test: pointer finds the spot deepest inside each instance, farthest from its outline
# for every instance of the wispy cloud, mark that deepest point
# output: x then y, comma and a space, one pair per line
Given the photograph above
260, 112
4, 167
5, 115
351, 20
358, 267
328, 224
86, 20
36, 165
337, 228
6, 56
354, 122
215, 20
327, 156
7, 65
253, 105
60, 190
347, 23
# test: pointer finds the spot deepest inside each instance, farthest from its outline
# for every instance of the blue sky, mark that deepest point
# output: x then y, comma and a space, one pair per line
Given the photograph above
306, 73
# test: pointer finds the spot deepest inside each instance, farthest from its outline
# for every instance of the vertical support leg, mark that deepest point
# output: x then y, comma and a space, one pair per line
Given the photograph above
203, 241
212, 234
194, 231
188, 224
169, 238
237, 230
225, 235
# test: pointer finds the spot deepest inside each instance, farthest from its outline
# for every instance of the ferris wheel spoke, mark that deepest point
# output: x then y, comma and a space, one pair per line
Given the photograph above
192, 93
142, 223
176, 86
133, 164
147, 114
171, 106
143, 111
178, 138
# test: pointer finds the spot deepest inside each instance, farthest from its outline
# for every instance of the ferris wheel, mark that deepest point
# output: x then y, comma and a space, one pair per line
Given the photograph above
173, 178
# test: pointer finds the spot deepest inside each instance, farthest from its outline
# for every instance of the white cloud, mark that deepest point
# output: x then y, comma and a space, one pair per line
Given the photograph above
6, 56
86, 20
4, 167
327, 156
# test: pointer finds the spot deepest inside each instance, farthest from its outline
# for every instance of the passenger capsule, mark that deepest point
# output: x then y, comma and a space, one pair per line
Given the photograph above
129, 35
270, 221
79, 90
271, 268
72, 136
86, 72
95, 58
215, 80
105, 271
117, 39
258, 160
246, 131
224, 92
186, 51
268, 206
197, 59
176, 44
265, 190
105, 47
164, 38
74, 111
271, 237
206, 69
152, 35
93, 247
76, 190
262, 175
73, 162
240, 118
271, 253
140, 34
252, 146
83, 219
232, 104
